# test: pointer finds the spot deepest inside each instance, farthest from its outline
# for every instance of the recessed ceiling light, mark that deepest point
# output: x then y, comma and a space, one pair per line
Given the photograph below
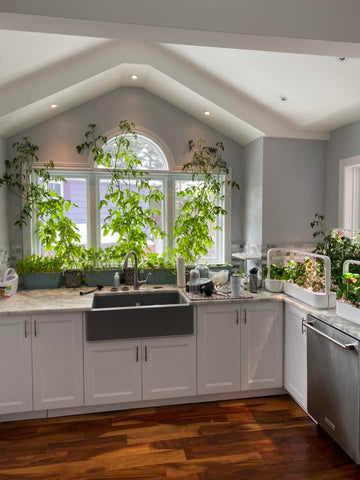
342, 59
207, 113
134, 77
284, 98
54, 105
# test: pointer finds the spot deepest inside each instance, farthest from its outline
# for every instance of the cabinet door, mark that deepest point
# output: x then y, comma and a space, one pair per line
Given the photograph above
15, 364
295, 378
169, 367
218, 348
112, 371
262, 346
57, 360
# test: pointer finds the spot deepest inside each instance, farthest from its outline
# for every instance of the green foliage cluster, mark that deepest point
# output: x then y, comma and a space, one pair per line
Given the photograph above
338, 247
308, 274
38, 264
203, 201
277, 272
351, 289
56, 231
131, 202
131, 198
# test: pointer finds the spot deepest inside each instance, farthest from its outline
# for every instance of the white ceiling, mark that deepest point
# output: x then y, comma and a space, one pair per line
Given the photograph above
23, 53
323, 92
241, 88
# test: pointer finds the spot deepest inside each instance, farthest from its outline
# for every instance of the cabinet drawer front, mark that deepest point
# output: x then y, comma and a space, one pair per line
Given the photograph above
262, 346
112, 372
169, 367
15, 365
57, 361
218, 349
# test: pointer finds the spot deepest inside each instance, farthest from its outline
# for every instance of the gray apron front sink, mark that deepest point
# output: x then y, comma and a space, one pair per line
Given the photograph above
138, 315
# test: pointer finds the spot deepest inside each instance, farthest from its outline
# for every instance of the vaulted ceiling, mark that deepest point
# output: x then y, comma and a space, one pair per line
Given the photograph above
67, 63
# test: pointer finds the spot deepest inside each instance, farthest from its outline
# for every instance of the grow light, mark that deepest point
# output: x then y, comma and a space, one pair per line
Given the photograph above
345, 309
324, 299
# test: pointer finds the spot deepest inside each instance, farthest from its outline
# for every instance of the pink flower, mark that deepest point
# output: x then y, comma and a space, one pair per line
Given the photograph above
340, 233
353, 280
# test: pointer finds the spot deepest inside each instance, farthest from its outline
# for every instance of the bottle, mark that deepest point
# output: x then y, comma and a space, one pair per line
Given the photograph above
181, 282
116, 283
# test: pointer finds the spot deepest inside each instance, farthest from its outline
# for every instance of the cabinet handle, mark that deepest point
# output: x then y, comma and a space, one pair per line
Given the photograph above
237, 317
146, 356
303, 325
25, 328
137, 353
245, 316
35, 328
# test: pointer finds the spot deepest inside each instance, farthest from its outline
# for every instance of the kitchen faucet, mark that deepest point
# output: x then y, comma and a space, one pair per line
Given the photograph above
137, 282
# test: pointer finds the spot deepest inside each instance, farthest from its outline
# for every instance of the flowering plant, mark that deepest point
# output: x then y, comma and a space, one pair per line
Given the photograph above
351, 291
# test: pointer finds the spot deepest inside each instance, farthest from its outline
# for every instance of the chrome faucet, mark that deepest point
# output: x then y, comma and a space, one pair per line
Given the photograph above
137, 282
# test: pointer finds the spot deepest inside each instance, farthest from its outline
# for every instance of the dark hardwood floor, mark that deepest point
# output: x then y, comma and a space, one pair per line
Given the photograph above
264, 438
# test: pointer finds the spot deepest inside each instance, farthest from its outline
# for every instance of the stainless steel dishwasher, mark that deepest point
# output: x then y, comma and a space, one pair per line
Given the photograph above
333, 383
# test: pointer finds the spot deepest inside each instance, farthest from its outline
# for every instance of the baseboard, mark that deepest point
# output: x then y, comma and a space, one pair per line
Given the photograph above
142, 404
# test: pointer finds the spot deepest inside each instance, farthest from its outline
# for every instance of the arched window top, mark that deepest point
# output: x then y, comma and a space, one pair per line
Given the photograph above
147, 151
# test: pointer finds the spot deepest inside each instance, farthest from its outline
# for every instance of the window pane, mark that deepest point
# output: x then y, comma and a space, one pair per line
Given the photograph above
214, 254
75, 190
154, 244
147, 151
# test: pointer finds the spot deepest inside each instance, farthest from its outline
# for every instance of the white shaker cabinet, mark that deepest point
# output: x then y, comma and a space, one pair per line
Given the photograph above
15, 364
57, 360
169, 367
218, 348
261, 345
295, 380
112, 371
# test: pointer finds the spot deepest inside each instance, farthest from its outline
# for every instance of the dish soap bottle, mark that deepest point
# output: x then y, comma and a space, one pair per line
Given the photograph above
116, 283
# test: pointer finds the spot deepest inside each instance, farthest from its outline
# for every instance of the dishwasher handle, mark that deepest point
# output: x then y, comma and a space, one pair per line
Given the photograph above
346, 346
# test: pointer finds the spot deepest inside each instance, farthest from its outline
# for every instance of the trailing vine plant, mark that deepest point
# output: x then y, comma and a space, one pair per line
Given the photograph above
131, 199
202, 201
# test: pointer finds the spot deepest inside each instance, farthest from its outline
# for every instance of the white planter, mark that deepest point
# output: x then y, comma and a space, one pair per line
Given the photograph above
348, 311
317, 300
275, 286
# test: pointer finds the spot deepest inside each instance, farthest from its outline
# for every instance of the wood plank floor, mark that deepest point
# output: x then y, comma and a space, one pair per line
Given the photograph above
264, 438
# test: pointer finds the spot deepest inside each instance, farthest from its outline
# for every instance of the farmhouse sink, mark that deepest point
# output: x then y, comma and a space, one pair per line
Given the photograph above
137, 299
139, 315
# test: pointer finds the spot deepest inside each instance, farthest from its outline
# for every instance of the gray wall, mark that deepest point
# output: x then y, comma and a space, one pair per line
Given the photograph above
58, 137
3, 199
252, 188
343, 143
294, 188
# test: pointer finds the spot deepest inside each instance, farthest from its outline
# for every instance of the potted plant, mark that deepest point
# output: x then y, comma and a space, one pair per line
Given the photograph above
162, 268
40, 272
100, 266
202, 200
348, 306
275, 277
131, 198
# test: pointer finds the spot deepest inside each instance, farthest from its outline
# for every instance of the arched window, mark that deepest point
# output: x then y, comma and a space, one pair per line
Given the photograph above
146, 150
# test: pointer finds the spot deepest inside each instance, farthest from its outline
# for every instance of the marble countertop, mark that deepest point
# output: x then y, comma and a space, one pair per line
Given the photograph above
69, 300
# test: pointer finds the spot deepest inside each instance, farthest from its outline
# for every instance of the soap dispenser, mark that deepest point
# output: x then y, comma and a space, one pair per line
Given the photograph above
116, 283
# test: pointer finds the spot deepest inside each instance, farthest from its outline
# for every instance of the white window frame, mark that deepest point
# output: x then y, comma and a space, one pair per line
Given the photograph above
349, 193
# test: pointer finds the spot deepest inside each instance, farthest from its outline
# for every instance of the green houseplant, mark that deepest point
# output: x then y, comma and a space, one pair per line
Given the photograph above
202, 200
31, 185
40, 272
132, 200
338, 247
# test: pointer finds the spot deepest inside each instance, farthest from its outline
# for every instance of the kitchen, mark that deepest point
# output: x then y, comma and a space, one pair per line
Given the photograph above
225, 388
